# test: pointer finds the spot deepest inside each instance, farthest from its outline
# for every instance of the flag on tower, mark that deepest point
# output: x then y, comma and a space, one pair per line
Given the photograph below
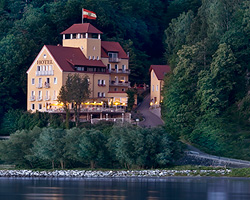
88, 14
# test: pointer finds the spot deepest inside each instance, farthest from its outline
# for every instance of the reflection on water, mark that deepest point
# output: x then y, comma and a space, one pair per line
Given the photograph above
171, 188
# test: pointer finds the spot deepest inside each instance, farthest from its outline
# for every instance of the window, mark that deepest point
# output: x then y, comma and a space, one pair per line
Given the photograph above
156, 87
99, 82
33, 81
153, 88
99, 94
103, 94
109, 66
115, 89
123, 89
89, 57
50, 67
116, 67
93, 57
32, 93
44, 56
39, 94
55, 80
103, 82
40, 106
67, 36
38, 68
123, 67
32, 106
97, 57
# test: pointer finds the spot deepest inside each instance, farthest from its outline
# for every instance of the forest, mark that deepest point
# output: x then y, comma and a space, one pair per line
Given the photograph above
206, 98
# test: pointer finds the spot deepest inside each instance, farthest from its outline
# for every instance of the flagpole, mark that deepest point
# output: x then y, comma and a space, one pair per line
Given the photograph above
82, 15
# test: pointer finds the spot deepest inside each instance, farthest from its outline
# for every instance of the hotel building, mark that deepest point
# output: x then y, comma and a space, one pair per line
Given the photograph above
82, 51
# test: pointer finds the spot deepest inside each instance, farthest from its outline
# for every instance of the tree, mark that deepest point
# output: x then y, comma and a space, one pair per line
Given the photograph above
216, 85
64, 97
76, 91
49, 146
92, 147
131, 98
17, 149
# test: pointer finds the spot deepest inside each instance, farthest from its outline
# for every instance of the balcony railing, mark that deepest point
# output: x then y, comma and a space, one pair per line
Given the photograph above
47, 85
47, 98
32, 98
45, 73
119, 71
39, 98
39, 85
102, 85
114, 60
120, 83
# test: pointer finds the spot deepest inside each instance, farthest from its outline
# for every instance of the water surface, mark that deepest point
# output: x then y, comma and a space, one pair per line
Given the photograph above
170, 188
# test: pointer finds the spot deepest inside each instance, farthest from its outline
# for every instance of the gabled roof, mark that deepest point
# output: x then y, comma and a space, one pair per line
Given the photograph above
81, 28
160, 70
67, 57
112, 47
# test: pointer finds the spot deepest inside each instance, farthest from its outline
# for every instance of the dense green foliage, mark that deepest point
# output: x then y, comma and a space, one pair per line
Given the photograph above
15, 120
118, 146
206, 98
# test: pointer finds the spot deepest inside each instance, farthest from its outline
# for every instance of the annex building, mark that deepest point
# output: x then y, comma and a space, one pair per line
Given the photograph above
157, 74
82, 51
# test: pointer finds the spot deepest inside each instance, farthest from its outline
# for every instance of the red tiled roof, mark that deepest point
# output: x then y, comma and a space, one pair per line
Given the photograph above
112, 47
160, 70
81, 28
67, 57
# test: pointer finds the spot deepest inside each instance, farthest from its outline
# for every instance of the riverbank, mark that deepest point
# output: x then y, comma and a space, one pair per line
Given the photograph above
114, 173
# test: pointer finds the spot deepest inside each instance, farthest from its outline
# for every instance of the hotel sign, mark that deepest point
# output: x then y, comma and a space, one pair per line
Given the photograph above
44, 62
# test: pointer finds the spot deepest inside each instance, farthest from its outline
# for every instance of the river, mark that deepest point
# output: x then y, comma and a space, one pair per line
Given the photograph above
169, 188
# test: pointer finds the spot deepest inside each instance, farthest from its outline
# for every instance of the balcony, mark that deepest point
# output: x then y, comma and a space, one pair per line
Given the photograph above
47, 85
39, 85
47, 98
119, 71
114, 60
120, 83
32, 98
45, 73
39, 98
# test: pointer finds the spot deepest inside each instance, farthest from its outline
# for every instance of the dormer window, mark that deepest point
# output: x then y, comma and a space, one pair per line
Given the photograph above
113, 57
89, 57
74, 36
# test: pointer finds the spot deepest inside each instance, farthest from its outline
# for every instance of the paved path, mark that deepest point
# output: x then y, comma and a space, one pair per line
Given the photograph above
151, 120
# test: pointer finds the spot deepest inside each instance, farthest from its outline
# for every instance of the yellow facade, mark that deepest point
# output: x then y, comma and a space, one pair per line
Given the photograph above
155, 89
43, 85
46, 77
91, 47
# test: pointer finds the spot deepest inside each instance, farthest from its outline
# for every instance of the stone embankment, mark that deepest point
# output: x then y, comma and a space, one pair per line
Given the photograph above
111, 173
